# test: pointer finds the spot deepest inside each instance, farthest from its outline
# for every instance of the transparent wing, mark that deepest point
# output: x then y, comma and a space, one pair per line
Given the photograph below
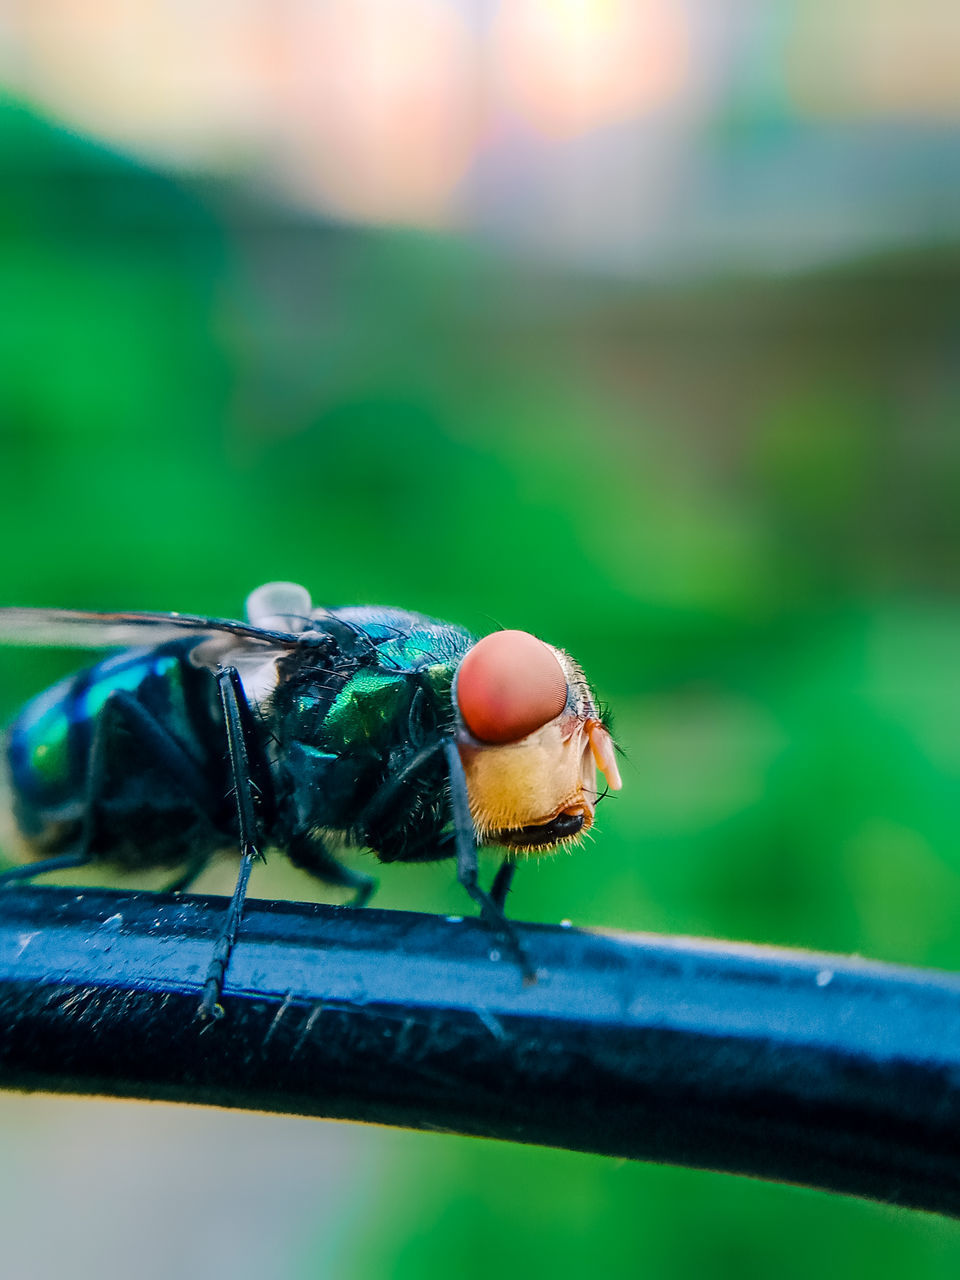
79, 629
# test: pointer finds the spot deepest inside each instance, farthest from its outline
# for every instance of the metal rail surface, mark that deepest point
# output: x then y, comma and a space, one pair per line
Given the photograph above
837, 1073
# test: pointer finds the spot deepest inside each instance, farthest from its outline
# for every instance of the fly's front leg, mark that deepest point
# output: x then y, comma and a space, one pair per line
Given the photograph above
503, 881
491, 907
232, 699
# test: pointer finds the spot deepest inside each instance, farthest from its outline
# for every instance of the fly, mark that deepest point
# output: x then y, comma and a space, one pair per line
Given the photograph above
296, 729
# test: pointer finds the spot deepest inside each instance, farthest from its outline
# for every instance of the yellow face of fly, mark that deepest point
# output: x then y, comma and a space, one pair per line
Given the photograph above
538, 790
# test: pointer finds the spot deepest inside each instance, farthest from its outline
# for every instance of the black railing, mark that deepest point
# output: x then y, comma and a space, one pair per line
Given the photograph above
838, 1073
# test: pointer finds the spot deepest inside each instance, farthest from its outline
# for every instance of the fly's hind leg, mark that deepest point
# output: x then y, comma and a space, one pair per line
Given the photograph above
313, 856
65, 862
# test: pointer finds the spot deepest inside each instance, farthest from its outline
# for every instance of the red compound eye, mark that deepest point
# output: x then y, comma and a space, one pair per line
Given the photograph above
510, 684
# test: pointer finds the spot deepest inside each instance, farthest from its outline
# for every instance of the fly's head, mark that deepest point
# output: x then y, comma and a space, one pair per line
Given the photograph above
531, 741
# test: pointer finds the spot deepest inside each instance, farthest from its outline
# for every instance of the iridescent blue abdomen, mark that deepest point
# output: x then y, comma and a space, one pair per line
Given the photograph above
50, 743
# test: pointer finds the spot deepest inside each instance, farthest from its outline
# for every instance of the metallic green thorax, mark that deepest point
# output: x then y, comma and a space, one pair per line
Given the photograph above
365, 709
368, 708
349, 729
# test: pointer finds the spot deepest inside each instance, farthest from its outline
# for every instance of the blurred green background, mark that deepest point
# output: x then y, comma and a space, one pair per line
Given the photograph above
727, 482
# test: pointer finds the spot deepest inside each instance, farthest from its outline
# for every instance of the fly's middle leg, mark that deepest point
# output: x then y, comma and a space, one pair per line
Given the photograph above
193, 870
235, 717
311, 855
